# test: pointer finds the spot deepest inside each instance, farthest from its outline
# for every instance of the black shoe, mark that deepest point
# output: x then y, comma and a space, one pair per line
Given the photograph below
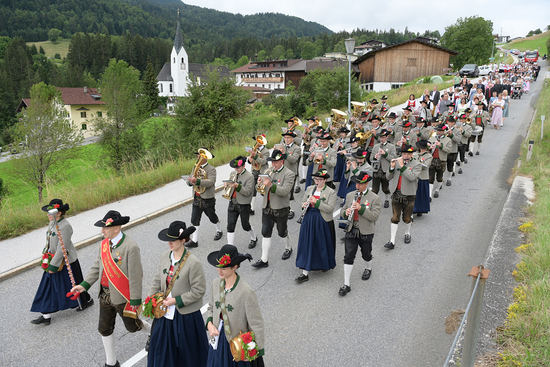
41, 320
460, 171
477, 153
407, 238
192, 244
448, 183
253, 243
85, 306
302, 278
341, 204
290, 215
436, 194
418, 214
389, 245
286, 254
470, 154
303, 180
344, 290
251, 212
386, 204
465, 160
218, 235
366, 274
453, 174
114, 365
297, 190
260, 264
458, 163
148, 343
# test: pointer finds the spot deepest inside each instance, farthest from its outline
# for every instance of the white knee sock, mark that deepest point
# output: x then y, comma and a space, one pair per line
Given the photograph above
287, 242
266, 244
478, 147
218, 226
408, 228
347, 273
440, 184
393, 229
368, 265
46, 316
387, 197
146, 326
471, 147
230, 238
195, 235
252, 234
305, 272
431, 189
252, 203
109, 346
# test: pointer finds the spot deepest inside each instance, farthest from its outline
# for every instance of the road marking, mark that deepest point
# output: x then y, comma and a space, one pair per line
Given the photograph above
142, 353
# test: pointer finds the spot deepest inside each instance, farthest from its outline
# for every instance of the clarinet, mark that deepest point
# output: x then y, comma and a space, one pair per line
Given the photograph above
349, 224
304, 210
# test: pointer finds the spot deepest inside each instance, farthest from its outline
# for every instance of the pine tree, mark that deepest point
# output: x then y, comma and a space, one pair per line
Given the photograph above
150, 88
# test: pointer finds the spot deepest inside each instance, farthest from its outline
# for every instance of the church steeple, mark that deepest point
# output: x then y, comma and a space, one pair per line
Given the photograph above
178, 41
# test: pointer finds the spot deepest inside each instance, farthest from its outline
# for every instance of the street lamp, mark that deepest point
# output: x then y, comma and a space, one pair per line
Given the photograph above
350, 45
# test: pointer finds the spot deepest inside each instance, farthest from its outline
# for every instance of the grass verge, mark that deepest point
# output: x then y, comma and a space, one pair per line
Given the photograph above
526, 335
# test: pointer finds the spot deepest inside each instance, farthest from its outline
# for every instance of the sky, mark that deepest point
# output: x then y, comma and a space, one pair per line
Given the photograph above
515, 17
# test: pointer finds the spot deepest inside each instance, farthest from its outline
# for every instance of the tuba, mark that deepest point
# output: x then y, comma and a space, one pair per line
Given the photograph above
338, 122
307, 137
358, 107
198, 172
228, 190
260, 186
363, 137
295, 122
260, 140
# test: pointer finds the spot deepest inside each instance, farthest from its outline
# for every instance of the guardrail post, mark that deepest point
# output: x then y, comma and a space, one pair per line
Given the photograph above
530, 149
473, 319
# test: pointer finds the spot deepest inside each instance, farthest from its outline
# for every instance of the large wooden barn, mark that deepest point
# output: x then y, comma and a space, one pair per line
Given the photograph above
390, 67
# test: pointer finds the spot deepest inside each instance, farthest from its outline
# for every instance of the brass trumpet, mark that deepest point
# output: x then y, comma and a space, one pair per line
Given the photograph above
198, 172
260, 140
228, 190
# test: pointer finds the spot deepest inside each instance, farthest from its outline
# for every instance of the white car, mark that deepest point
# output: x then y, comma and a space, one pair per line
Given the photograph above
486, 69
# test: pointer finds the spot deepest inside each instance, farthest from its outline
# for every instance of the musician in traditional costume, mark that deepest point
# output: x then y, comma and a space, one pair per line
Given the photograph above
441, 146
178, 338
233, 309
384, 152
421, 130
383, 103
317, 241
297, 139
259, 165
342, 188
465, 134
361, 211
276, 206
323, 157
356, 164
55, 283
240, 197
315, 144
403, 175
480, 118
374, 109
118, 268
293, 153
450, 112
406, 115
204, 202
423, 193
425, 112
375, 129
292, 128
340, 146
392, 126
455, 134
406, 137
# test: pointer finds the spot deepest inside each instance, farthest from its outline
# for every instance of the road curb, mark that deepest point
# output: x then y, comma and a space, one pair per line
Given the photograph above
91, 240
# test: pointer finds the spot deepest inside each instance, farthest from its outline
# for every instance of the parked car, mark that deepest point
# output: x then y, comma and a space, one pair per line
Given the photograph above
486, 69
470, 70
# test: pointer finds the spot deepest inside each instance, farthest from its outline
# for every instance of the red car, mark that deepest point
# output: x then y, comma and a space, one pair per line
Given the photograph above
531, 56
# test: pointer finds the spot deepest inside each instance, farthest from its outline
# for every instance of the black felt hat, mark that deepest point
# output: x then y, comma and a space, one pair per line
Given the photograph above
112, 219
354, 139
276, 155
343, 129
384, 132
177, 231
392, 115
406, 124
289, 133
441, 127
375, 117
322, 173
406, 148
360, 153
408, 108
362, 177
363, 114
384, 97
451, 119
422, 144
228, 256
373, 101
325, 136
56, 204
237, 162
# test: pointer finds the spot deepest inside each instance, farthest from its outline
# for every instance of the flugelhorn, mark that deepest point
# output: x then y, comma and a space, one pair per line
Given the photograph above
228, 189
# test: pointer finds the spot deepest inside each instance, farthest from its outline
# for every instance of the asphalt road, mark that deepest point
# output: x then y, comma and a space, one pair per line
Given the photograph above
394, 319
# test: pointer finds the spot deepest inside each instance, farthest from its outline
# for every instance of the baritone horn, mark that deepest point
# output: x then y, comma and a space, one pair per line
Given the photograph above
260, 140
228, 189
203, 156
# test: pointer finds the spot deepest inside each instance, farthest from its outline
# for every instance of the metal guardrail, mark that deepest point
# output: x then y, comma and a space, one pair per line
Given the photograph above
471, 319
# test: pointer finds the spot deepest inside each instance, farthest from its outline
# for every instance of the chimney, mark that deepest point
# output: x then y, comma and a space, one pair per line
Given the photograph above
85, 90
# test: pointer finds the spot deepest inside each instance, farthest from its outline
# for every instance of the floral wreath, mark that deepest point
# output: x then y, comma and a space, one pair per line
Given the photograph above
249, 345
224, 261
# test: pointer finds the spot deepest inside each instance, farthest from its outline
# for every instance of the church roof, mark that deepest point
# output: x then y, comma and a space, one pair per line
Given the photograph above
165, 74
202, 70
178, 41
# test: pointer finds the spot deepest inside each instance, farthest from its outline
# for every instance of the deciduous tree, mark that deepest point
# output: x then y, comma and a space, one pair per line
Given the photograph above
47, 133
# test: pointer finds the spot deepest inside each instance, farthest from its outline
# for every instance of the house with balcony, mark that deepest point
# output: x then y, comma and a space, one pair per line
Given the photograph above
368, 46
263, 74
81, 104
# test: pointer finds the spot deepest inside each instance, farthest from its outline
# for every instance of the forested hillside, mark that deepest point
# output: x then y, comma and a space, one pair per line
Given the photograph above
32, 19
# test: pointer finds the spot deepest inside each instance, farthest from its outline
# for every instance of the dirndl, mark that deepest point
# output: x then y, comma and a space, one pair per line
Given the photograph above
422, 200
315, 243
345, 189
309, 180
340, 168
178, 342
222, 356
51, 294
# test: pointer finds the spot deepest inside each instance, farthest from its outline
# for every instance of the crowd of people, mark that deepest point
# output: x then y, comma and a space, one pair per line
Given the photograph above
408, 156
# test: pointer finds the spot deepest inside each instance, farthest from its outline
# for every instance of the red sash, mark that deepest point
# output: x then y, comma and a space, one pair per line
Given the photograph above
116, 277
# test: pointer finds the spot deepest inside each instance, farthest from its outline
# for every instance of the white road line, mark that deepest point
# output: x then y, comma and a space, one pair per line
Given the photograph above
142, 353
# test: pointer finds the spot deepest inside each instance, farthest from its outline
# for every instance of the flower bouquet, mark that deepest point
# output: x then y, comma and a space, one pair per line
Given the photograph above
46, 258
153, 306
244, 348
